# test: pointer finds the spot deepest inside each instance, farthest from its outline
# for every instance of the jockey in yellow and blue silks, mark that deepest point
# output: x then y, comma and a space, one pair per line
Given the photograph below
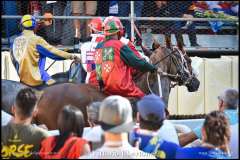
30, 52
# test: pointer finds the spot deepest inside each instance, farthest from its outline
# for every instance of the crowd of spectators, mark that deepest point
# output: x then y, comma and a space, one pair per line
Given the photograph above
64, 31
115, 133
228, 103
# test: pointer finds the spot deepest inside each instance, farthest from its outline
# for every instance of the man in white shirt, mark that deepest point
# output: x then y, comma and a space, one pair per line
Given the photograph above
116, 120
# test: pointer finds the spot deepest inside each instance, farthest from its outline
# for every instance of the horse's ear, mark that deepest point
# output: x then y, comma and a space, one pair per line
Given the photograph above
180, 46
155, 44
168, 42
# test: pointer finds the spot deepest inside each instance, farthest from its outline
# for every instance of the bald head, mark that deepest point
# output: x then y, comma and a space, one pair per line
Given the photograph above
230, 97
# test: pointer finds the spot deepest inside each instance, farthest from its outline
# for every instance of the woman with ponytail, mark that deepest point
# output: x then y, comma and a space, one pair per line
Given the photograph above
215, 139
69, 144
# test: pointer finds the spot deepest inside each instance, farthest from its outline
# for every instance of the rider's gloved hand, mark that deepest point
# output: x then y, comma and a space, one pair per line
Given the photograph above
75, 58
159, 70
50, 82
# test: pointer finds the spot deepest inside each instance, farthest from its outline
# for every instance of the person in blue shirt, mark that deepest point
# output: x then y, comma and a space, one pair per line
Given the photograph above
228, 103
215, 137
151, 114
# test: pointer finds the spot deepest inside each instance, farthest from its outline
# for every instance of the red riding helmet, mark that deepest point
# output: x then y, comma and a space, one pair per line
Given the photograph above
113, 25
96, 24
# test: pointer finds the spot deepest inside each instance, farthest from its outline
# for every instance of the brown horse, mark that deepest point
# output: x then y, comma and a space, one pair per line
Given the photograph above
174, 63
175, 68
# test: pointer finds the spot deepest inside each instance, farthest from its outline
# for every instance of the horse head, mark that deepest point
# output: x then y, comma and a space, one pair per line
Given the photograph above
175, 64
175, 67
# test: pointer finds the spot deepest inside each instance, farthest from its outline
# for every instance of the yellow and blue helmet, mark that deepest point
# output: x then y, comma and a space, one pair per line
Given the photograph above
28, 22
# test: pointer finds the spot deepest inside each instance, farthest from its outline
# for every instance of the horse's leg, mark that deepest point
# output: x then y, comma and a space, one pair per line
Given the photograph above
166, 91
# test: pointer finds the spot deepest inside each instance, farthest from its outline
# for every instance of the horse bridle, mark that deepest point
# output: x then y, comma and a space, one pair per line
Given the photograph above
184, 67
175, 76
180, 70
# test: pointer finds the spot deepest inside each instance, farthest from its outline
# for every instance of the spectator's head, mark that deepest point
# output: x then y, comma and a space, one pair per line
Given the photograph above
93, 113
71, 121
115, 115
28, 22
113, 26
96, 25
216, 129
228, 99
25, 104
151, 112
48, 18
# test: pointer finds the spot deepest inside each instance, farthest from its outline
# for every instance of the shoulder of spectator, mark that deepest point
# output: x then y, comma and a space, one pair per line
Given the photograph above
43, 132
86, 149
5, 127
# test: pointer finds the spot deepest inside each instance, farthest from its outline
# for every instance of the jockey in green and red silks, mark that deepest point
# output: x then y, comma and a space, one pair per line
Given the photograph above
115, 62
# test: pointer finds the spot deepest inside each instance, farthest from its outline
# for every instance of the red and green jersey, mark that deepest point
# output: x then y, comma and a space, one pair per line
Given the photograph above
114, 62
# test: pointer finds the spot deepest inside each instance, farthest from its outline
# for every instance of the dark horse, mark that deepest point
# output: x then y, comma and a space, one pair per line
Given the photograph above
175, 66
